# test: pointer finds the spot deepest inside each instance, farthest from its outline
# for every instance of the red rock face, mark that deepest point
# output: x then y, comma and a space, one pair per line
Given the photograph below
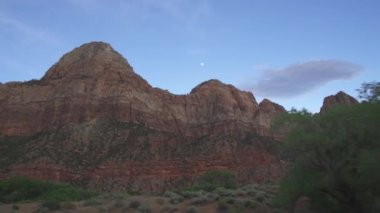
93, 121
341, 98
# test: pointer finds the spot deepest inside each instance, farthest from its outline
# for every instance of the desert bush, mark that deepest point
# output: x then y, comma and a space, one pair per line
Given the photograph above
252, 189
250, 204
68, 205
200, 200
166, 209
51, 205
230, 200
213, 196
222, 205
144, 208
225, 192
18, 189
192, 209
116, 195
134, 204
191, 194
260, 197
15, 207
211, 180
92, 202
102, 210
119, 204
174, 197
160, 201
238, 206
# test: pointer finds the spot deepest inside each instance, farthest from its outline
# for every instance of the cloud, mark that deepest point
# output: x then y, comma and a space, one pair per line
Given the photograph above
301, 78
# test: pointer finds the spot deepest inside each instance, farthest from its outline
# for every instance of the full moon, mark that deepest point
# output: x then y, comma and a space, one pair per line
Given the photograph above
202, 64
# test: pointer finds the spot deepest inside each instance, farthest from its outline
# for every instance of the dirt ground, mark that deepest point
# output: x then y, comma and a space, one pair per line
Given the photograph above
118, 205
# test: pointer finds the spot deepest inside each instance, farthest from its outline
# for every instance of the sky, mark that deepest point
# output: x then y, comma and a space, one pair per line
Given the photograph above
293, 52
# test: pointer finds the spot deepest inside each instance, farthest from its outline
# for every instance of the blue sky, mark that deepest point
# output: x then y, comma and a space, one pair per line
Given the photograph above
294, 52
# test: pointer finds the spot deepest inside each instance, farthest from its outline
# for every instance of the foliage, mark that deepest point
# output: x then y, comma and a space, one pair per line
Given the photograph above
222, 205
335, 158
68, 205
199, 200
15, 207
192, 209
21, 189
211, 180
174, 197
144, 208
134, 204
370, 91
92, 202
160, 201
192, 194
51, 205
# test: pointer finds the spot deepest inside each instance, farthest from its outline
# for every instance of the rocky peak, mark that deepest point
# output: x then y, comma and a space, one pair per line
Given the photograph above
225, 94
94, 59
270, 107
93, 121
212, 84
341, 98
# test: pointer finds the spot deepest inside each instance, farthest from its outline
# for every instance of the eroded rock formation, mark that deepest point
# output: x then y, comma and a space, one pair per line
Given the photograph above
341, 98
91, 120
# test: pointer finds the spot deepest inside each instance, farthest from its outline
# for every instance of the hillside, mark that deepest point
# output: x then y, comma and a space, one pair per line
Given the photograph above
93, 121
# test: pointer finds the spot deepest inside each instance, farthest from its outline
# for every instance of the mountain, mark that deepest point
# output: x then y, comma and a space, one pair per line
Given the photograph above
341, 98
92, 121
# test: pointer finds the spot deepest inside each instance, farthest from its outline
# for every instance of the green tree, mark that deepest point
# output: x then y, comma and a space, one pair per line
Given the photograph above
335, 159
370, 91
211, 180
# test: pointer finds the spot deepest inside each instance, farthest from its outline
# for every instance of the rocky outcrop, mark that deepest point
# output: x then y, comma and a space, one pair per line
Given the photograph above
91, 120
341, 98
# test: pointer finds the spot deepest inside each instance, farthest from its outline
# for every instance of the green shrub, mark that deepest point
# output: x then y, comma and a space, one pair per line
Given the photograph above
68, 205
230, 200
134, 204
144, 208
174, 197
51, 205
213, 196
211, 180
250, 204
160, 201
192, 209
222, 205
200, 200
225, 192
102, 210
173, 208
119, 204
166, 209
191, 194
116, 195
92, 202
250, 190
260, 197
15, 207
18, 189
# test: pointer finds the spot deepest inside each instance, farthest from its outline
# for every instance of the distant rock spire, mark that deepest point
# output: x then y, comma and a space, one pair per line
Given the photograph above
341, 98
93, 59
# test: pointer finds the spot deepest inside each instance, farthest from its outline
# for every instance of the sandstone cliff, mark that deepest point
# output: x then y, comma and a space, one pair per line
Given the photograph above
341, 98
91, 120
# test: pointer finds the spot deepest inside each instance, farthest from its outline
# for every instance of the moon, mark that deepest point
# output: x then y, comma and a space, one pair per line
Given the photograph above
202, 64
